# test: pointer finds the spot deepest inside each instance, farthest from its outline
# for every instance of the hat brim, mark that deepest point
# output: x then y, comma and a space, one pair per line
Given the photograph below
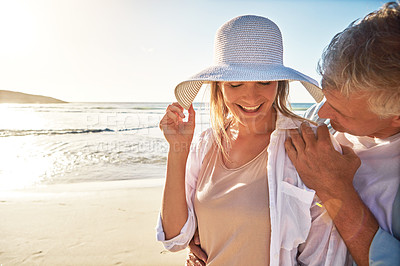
186, 91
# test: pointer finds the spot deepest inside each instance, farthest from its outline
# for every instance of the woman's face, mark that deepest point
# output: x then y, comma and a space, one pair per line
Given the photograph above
249, 102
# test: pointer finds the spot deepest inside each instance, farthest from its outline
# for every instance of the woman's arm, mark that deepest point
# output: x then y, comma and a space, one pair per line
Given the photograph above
179, 134
174, 208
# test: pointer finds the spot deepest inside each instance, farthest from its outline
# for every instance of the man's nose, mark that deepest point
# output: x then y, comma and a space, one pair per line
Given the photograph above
325, 111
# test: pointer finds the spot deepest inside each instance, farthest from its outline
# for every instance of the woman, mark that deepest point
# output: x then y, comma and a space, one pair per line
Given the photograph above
236, 183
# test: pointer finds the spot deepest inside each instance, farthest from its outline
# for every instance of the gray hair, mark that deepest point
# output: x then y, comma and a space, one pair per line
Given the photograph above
365, 57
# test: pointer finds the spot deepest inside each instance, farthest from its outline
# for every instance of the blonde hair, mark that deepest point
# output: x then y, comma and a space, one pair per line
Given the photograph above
221, 118
365, 57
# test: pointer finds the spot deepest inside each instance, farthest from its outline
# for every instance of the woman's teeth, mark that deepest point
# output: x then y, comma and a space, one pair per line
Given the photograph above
250, 109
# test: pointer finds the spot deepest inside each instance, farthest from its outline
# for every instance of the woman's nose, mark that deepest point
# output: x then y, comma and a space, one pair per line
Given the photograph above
251, 90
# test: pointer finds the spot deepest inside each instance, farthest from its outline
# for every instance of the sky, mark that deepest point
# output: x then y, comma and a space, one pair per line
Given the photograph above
138, 51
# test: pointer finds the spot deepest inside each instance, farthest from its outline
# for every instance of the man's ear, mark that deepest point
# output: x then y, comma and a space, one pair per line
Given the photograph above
396, 121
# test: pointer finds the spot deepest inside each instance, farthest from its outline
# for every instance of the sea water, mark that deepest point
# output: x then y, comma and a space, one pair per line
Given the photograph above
85, 142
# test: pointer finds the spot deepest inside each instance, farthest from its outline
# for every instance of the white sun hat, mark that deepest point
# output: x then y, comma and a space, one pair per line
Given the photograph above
246, 48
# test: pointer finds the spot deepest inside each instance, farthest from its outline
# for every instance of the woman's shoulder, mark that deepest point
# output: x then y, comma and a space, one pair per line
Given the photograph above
201, 144
206, 134
204, 140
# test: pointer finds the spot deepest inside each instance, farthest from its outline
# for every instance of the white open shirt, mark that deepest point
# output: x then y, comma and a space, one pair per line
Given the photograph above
301, 231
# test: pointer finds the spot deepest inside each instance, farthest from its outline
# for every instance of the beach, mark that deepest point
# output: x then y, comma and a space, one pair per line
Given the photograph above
94, 223
81, 183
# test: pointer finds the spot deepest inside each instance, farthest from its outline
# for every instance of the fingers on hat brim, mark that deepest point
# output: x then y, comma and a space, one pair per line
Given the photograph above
186, 92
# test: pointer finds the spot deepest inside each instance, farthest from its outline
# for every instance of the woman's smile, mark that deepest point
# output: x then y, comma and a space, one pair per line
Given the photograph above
250, 109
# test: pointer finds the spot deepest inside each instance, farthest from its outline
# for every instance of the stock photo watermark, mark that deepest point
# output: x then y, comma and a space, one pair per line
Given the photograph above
141, 122
146, 146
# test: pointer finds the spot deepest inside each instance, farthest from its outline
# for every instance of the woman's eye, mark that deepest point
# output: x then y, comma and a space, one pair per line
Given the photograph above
235, 85
265, 83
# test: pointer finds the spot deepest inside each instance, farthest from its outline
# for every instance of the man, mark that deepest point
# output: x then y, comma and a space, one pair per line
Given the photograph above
361, 82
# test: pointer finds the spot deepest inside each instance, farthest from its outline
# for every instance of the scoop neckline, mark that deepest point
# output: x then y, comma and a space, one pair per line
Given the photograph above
242, 166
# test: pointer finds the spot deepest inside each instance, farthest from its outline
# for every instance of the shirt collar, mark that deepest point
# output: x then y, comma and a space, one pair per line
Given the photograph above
284, 122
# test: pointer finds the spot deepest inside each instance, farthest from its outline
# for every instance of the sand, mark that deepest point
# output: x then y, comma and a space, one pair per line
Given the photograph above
102, 223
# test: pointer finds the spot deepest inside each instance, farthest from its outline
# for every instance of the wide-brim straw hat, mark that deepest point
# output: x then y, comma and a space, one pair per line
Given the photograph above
246, 48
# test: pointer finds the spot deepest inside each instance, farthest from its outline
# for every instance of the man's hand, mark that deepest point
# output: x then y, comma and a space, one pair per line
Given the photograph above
331, 174
319, 165
196, 256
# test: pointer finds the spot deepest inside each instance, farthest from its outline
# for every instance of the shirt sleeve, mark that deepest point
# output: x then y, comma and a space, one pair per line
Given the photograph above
193, 165
182, 240
384, 249
323, 246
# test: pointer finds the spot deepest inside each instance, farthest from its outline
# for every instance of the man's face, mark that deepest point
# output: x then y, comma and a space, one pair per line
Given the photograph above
352, 115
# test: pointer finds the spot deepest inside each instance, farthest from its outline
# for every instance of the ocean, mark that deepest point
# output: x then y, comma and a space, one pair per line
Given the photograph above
42, 144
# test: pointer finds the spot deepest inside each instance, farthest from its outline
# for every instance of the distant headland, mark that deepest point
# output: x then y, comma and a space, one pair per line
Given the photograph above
19, 97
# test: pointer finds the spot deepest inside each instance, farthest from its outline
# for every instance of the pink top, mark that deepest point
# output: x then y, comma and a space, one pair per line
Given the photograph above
232, 210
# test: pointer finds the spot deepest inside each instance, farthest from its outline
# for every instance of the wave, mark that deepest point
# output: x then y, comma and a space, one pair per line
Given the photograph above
88, 106
49, 132
106, 110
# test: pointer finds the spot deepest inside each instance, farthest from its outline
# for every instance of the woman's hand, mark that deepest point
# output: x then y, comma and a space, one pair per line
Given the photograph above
178, 133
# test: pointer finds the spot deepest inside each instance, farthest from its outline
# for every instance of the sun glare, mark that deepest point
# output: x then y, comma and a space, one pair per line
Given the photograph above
12, 116
22, 165
20, 158
16, 28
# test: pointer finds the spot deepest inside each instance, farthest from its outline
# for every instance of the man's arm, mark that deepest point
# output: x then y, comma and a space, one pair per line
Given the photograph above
323, 245
331, 174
